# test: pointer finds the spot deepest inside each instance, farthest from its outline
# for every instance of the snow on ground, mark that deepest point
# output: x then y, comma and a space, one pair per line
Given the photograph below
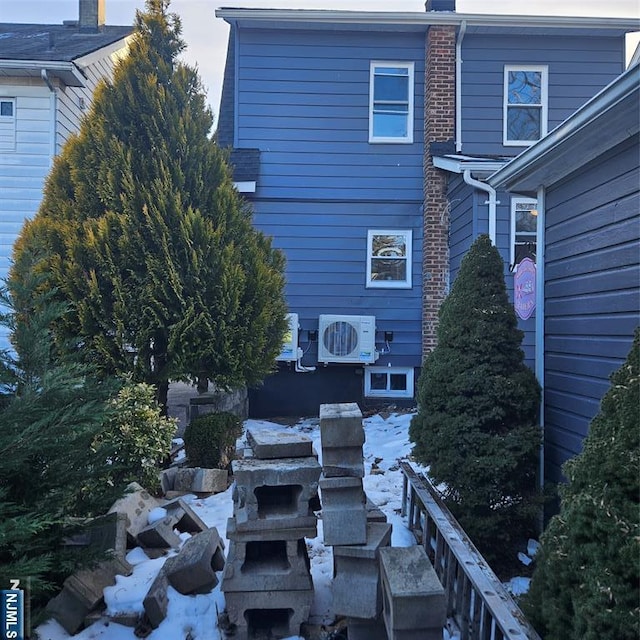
386, 442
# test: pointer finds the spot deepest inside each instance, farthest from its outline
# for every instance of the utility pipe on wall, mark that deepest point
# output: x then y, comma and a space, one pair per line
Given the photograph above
463, 28
492, 201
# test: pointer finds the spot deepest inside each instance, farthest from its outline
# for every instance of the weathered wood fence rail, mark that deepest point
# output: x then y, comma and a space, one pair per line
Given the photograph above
477, 602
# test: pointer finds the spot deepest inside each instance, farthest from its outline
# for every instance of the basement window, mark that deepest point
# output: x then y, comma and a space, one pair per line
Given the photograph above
388, 382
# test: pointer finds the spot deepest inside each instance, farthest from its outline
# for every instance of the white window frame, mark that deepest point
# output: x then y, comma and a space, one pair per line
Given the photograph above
514, 202
389, 393
8, 127
390, 284
544, 106
408, 139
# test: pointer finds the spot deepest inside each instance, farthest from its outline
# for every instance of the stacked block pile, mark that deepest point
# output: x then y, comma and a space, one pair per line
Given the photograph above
386, 593
267, 579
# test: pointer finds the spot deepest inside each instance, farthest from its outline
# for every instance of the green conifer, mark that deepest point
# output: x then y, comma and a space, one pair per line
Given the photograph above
146, 238
586, 585
476, 424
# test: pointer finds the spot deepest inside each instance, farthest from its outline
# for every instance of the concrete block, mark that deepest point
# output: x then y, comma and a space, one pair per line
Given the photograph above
344, 516
167, 479
374, 513
413, 598
341, 425
135, 504
105, 533
268, 533
68, 611
193, 570
209, 480
156, 601
187, 520
359, 629
87, 585
357, 590
261, 565
342, 461
160, 534
274, 490
268, 614
183, 479
269, 444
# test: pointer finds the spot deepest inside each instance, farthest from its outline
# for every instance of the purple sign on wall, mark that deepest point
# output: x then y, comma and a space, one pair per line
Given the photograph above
524, 283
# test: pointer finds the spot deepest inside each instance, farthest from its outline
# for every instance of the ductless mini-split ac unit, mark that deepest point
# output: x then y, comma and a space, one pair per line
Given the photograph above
289, 351
350, 339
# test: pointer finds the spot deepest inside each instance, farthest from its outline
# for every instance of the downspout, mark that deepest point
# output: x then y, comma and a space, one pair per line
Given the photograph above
461, 32
492, 201
236, 79
52, 124
539, 350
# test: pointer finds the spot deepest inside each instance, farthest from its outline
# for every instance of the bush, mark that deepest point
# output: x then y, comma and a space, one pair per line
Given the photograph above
138, 437
210, 440
476, 424
586, 585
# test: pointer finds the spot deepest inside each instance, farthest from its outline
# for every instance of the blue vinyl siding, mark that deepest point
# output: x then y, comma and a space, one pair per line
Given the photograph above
303, 100
592, 293
578, 68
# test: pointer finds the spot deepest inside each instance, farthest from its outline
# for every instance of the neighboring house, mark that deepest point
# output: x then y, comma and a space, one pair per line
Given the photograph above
48, 74
585, 176
361, 140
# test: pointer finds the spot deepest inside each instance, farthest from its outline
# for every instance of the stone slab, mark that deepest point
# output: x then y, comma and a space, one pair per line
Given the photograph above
136, 505
193, 570
268, 533
374, 513
341, 425
210, 480
262, 527
269, 444
276, 614
278, 565
156, 601
412, 593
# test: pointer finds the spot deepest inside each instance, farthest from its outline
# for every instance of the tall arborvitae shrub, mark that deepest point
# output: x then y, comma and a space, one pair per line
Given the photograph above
477, 420
146, 237
586, 585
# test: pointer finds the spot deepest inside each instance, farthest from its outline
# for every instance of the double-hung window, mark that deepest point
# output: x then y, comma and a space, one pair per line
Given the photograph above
7, 124
389, 259
525, 104
391, 102
524, 227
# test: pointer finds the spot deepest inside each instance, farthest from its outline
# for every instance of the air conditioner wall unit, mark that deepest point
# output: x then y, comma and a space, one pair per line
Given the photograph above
289, 351
348, 339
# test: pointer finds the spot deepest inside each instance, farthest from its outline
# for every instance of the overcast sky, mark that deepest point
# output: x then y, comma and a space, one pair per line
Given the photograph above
206, 35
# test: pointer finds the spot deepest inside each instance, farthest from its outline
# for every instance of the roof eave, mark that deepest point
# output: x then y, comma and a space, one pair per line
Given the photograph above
68, 72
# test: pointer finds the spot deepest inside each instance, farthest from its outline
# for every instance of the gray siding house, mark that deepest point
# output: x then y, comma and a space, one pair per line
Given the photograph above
585, 176
48, 74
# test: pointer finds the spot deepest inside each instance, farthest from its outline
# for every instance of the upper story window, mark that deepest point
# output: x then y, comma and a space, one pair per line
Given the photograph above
7, 124
524, 228
525, 104
391, 102
389, 259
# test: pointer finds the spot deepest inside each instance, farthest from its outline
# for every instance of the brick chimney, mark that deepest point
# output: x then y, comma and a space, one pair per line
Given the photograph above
439, 134
440, 5
92, 15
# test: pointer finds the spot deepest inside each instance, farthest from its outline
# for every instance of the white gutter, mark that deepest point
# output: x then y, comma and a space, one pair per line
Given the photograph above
463, 28
424, 18
44, 65
539, 321
492, 201
53, 119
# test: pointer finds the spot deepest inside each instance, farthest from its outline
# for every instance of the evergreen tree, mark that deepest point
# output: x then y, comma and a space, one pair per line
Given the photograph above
586, 585
147, 240
476, 424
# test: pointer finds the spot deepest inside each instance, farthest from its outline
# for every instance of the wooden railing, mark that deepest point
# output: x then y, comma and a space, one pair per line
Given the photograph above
477, 603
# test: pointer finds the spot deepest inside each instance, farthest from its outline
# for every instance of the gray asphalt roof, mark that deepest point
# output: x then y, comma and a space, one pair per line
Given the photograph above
54, 42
